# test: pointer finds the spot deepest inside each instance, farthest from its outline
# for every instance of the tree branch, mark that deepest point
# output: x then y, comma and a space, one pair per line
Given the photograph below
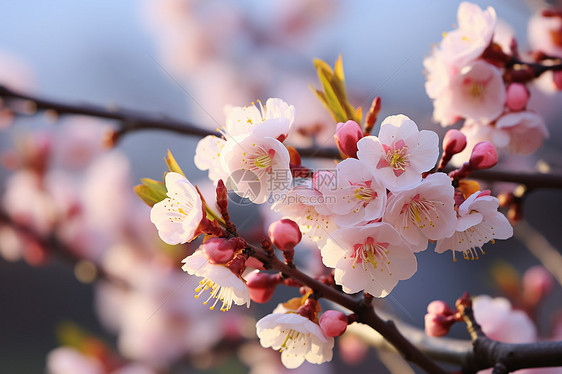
505, 357
132, 121
365, 312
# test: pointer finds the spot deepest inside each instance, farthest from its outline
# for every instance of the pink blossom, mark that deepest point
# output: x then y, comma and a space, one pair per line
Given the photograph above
475, 30
357, 196
372, 257
478, 92
526, 131
542, 33
400, 154
478, 222
423, 212
178, 216
263, 165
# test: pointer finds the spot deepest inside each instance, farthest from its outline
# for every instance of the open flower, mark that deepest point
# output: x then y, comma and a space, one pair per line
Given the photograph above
257, 166
297, 337
423, 212
208, 157
400, 154
475, 31
223, 284
178, 216
478, 222
371, 258
272, 120
478, 92
357, 197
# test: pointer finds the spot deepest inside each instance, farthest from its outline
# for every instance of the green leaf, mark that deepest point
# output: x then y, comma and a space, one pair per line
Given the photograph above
172, 164
151, 191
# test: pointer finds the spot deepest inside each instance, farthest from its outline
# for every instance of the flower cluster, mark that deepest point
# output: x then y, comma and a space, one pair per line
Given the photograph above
470, 76
368, 217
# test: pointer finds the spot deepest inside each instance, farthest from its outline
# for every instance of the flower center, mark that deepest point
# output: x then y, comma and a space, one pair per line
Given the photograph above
263, 161
365, 194
294, 343
223, 294
396, 156
181, 209
420, 212
476, 90
370, 252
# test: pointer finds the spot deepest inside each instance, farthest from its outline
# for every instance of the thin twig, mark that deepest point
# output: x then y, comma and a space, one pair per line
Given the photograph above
132, 121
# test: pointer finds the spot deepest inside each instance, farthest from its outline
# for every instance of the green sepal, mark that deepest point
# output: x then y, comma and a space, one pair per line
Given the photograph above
151, 191
172, 164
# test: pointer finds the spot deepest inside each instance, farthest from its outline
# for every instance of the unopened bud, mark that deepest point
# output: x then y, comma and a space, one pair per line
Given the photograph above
537, 283
285, 234
333, 323
438, 324
372, 115
454, 142
484, 156
218, 250
262, 285
347, 136
517, 96
440, 307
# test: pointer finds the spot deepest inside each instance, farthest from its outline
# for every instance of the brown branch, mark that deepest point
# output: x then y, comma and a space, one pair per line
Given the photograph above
131, 121
365, 312
506, 357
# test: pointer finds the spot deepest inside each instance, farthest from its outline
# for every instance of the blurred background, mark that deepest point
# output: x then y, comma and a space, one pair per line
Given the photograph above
188, 59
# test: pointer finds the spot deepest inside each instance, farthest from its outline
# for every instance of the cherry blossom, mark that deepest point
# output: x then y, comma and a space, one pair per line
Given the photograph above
273, 120
526, 131
358, 195
423, 212
544, 33
372, 257
223, 284
178, 216
478, 222
400, 154
475, 31
297, 337
208, 157
478, 92
264, 163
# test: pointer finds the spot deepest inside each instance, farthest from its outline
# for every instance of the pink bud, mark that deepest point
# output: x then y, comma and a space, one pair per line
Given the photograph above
517, 96
262, 285
440, 307
454, 142
484, 156
537, 283
285, 234
333, 323
218, 250
437, 324
347, 136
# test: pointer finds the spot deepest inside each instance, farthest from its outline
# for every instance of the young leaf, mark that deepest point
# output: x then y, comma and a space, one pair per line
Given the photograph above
172, 164
151, 191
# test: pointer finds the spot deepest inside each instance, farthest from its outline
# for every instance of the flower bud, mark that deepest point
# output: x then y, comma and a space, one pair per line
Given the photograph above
484, 156
347, 136
537, 283
333, 323
454, 142
285, 234
517, 96
440, 307
438, 324
218, 250
262, 285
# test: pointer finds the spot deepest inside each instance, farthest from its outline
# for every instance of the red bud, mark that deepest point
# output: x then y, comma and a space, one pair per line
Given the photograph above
218, 250
484, 156
347, 136
262, 285
285, 234
333, 323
